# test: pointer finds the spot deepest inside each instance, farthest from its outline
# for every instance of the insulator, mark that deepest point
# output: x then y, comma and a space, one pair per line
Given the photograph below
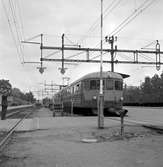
62, 71
158, 56
41, 70
136, 56
88, 55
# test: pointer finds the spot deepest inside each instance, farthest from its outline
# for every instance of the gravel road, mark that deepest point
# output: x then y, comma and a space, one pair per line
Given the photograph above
63, 146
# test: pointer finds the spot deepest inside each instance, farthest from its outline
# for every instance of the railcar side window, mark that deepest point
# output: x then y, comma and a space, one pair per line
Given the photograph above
86, 85
77, 88
95, 84
109, 84
92, 84
118, 85
72, 90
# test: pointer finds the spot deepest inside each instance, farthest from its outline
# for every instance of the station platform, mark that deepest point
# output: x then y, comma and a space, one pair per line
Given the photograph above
45, 123
16, 107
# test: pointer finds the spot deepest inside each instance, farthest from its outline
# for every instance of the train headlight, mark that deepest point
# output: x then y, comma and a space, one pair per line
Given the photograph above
121, 99
94, 97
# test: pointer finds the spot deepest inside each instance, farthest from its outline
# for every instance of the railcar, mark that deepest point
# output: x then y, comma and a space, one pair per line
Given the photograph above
82, 96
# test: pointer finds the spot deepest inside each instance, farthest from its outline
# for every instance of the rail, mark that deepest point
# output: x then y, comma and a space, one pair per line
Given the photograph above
11, 131
17, 108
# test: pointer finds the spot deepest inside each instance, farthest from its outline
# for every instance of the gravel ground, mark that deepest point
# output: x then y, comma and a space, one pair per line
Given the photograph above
63, 146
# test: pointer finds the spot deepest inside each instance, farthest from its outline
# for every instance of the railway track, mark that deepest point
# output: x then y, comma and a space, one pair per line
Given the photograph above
6, 138
11, 111
16, 110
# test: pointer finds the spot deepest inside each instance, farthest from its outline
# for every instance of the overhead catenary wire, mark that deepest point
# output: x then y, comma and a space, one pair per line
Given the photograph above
19, 13
131, 17
51, 54
146, 47
15, 20
17, 2
106, 12
12, 33
18, 34
77, 54
34, 37
147, 57
70, 41
126, 56
151, 43
97, 56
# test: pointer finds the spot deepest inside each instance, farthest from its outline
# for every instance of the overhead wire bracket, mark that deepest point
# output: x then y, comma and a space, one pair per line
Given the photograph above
136, 57
158, 59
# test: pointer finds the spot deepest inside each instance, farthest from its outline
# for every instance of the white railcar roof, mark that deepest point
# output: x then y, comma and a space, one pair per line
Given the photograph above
105, 74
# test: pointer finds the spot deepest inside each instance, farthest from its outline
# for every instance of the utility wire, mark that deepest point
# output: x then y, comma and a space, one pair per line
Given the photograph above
106, 12
75, 55
96, 21
126, 56
147, 57
20, 18
131, 17
19, 38
69, 40
151, 43
10, 28
126, 19
51, 54
36, 36
139, 10
97, 56
13, 13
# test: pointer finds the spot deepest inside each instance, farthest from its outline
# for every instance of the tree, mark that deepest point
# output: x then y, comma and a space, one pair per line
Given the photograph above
5, 90
156, 88
150, 92
5, 87
29, 97
16, 93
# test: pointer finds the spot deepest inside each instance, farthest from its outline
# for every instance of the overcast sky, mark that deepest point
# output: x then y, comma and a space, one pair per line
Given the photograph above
79, 21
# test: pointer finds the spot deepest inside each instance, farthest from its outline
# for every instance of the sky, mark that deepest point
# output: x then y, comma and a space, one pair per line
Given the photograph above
79, 21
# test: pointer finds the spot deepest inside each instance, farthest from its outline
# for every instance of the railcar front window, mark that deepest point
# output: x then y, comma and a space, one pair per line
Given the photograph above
92, 84
95, 84
98, 84
109, 84
118, 85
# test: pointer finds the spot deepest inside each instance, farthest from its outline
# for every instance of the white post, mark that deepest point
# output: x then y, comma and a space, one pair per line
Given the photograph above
101, 95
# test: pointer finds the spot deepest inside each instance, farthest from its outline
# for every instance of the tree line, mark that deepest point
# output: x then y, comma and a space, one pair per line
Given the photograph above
17, 95
29, 97
149, 93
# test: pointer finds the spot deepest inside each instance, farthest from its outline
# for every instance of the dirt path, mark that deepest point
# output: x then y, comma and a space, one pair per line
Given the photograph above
43, 112
62, 146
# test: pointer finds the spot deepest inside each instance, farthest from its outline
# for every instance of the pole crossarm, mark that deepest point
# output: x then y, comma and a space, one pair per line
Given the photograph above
49, 89
98, 61
31, 62
98, 50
